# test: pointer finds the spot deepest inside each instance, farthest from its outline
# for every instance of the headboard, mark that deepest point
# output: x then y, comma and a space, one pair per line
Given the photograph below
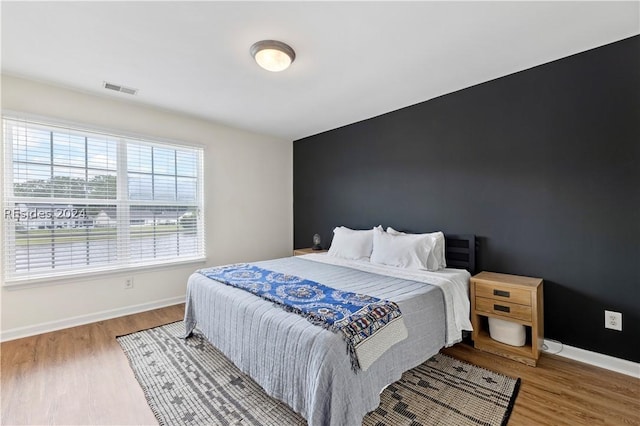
460, 252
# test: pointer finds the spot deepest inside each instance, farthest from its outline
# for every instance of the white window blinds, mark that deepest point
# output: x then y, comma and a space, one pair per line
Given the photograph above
77, 201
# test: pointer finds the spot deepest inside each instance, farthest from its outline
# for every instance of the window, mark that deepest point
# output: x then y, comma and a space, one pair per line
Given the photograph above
77, 201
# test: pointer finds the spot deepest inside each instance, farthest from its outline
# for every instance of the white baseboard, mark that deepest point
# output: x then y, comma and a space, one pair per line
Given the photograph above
618, 365
45, 327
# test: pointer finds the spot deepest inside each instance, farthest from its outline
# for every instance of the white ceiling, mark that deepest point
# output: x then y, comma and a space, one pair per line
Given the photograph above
355, 60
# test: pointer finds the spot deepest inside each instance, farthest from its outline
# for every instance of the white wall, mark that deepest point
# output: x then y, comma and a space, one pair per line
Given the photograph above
248, 206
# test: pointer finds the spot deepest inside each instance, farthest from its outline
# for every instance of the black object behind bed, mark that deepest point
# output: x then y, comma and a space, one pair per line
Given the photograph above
460, 252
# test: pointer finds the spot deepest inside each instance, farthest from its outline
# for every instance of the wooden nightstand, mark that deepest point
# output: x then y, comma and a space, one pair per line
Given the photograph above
300, 252
512, 298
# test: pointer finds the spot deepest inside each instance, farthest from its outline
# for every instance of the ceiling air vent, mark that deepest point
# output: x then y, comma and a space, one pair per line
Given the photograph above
119, 88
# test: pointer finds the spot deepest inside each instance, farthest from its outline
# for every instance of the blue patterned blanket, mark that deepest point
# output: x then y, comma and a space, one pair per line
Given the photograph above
357, 316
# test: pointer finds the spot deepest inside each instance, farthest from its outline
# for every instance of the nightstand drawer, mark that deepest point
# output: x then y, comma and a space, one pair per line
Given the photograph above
503, 293
506, 309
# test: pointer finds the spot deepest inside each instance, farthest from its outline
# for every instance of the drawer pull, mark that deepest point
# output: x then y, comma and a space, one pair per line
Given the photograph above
501, 293
501, 308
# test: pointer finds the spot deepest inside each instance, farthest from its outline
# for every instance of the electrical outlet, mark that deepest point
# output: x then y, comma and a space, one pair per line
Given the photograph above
613, 320
128, 283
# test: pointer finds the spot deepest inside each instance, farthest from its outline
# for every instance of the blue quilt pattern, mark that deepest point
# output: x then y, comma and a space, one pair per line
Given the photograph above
356, 316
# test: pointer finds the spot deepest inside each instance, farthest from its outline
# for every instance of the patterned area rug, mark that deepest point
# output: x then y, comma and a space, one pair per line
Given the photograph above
190, 382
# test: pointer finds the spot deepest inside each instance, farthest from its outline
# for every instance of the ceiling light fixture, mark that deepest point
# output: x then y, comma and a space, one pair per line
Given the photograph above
273, 55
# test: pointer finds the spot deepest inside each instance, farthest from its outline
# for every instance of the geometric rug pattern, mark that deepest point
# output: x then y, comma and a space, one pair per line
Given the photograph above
190, 382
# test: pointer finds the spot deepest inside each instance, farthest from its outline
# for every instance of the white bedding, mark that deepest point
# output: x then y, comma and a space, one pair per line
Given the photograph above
307, 366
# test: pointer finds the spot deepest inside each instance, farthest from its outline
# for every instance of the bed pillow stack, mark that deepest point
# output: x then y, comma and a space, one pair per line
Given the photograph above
392, 248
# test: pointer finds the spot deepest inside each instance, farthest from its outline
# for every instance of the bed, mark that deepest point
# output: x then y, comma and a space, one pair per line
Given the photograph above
307, 366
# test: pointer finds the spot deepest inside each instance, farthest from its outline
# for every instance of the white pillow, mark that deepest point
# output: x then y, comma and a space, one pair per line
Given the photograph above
351, 244
402, 251
437, 259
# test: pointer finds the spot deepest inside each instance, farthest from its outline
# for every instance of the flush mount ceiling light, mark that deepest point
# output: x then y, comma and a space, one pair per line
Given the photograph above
273, 55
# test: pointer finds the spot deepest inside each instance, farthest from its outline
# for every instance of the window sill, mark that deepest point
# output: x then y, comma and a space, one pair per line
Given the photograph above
17, 284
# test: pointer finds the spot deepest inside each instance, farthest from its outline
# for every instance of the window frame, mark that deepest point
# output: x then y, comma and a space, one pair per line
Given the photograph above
9, 278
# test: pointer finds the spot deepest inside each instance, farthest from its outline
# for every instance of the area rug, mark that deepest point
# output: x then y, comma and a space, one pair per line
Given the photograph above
190, 382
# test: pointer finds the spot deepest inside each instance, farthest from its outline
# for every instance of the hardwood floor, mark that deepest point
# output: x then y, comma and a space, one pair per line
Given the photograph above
560, 391
77, 376
80, 376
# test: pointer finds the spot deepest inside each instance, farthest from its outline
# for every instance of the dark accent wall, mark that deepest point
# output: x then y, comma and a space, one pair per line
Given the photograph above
543, 166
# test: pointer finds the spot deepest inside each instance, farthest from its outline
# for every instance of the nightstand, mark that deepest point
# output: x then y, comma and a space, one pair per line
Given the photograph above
512, 298
300, 252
